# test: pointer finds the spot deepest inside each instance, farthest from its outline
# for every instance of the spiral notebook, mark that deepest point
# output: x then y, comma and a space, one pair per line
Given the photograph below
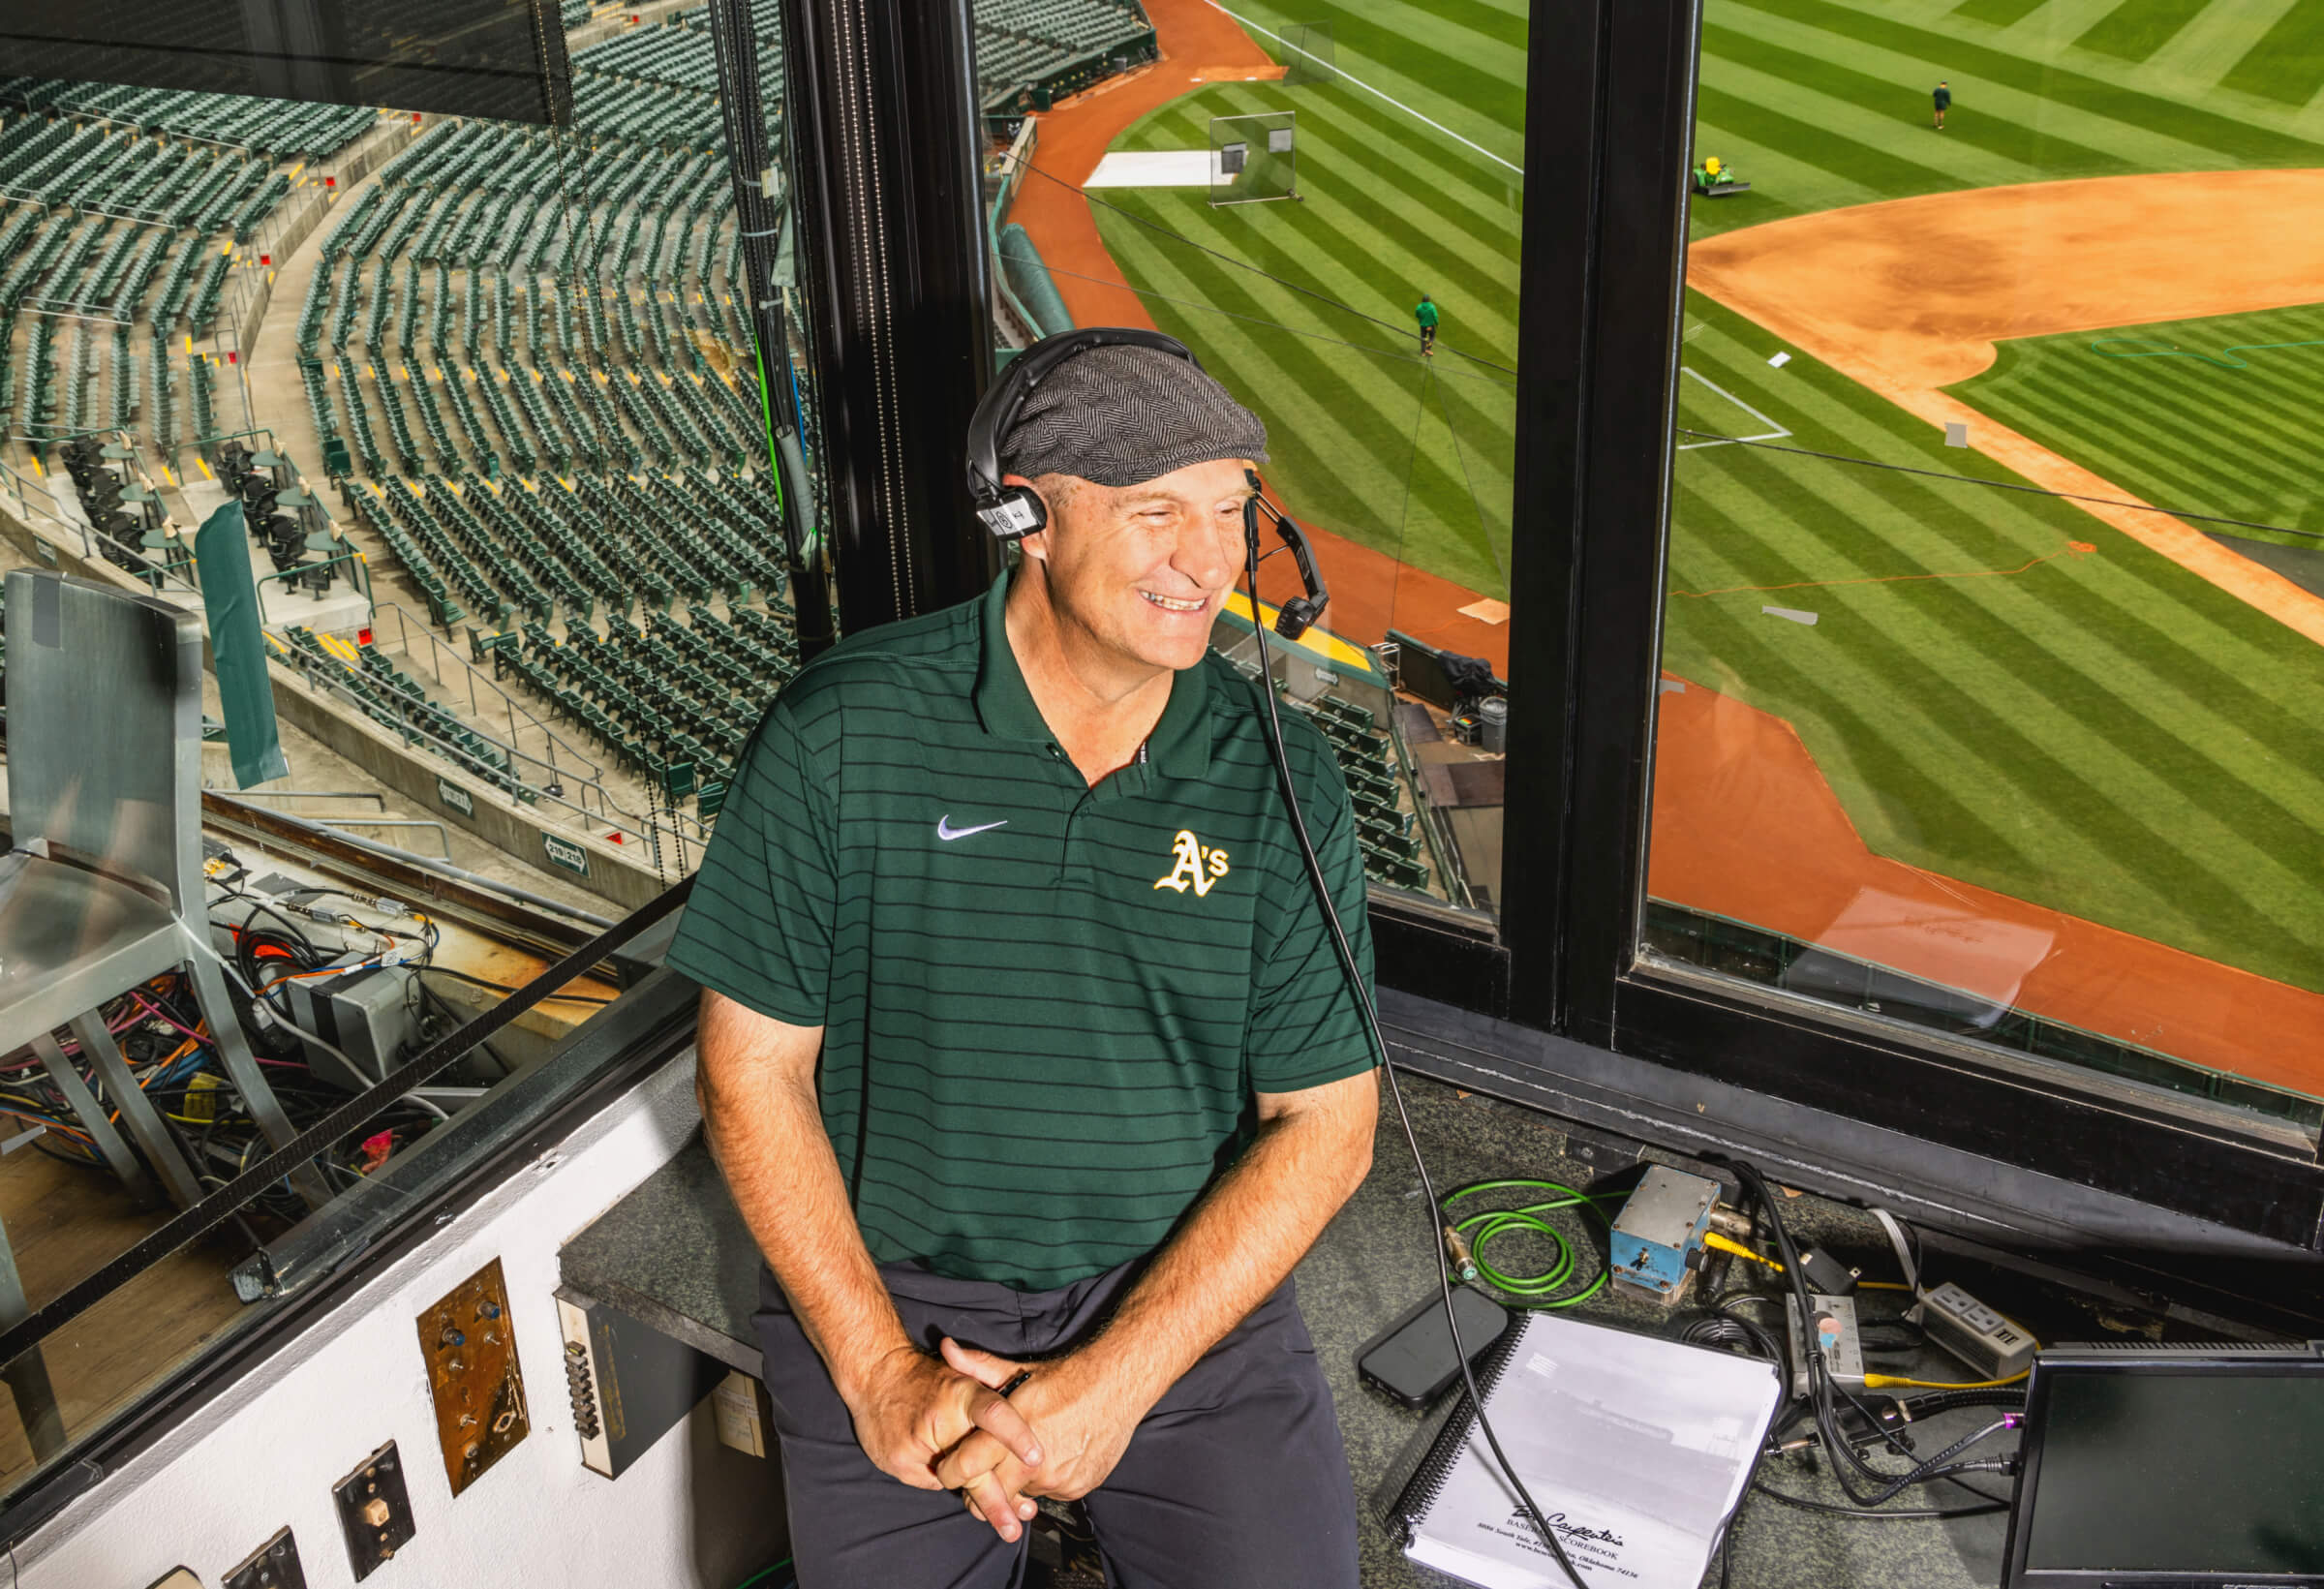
1635, 1448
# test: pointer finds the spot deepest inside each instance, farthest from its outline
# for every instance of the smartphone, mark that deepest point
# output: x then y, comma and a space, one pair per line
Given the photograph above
1411, 1361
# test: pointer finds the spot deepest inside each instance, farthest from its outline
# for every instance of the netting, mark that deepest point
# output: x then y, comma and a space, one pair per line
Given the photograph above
1307, 54
1254, 158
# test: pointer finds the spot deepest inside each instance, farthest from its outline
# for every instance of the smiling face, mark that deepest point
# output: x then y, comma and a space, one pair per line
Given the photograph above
1137, 574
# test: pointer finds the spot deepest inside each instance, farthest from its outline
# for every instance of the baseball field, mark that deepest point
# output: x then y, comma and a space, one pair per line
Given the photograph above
2103, 272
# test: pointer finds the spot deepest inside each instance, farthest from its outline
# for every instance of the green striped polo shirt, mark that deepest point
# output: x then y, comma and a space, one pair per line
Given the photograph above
1046, 1006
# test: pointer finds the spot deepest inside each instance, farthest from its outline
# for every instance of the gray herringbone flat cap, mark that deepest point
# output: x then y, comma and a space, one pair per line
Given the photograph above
1118, 415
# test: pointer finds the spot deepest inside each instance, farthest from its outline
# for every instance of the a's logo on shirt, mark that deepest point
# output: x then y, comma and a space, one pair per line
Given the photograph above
1193, 865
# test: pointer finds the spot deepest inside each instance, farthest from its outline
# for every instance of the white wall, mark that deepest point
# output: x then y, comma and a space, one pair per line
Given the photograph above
690, 1515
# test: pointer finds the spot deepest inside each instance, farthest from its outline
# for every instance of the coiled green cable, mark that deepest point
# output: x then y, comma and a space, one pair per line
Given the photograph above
1530, 1290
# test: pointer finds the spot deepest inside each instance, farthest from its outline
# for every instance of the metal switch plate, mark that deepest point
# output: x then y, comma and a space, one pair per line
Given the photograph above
274, 1565
375, 1510
470, 1347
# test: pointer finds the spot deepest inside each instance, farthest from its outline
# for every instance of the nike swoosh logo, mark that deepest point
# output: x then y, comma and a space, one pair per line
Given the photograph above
948, 833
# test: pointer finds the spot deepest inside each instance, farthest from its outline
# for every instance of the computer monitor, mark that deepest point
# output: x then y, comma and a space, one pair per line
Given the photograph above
2171, 1468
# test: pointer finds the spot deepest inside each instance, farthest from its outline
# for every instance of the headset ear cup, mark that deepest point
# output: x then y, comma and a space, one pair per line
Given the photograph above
1033, 505
1017, 512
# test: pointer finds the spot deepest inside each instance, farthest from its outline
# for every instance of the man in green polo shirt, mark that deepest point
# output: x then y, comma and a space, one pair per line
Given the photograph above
1025, 1051
1426, 313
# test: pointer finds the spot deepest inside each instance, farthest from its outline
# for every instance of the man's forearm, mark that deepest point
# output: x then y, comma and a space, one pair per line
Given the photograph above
785, 1181
1238, 1246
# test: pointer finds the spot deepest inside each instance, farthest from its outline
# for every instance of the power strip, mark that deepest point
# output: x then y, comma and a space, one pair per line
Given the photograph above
1974, 1332
1835, 1321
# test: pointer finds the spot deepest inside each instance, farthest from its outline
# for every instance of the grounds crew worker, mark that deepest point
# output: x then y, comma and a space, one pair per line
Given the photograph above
1021, 871
1426, 313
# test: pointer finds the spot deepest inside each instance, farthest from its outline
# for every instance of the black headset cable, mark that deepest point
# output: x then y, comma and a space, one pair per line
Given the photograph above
1371, 1027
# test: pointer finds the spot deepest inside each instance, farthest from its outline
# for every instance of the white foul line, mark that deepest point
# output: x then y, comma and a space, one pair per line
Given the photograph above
1777, 434
1369, 89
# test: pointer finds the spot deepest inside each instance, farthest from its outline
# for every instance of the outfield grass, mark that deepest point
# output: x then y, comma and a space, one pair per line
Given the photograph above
1411, 458
2120, 402
2104, 733
1825, 102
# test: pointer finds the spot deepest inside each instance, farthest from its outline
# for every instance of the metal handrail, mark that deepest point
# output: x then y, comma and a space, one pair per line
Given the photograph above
360, 575
404, 620
157, 574
648, 829
372, 795
442, 833
18, 484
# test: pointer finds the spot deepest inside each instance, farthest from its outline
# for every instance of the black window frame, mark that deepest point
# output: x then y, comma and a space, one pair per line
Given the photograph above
1608, 138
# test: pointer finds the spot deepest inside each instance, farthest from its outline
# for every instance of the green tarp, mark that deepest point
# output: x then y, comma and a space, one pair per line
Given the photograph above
222, 552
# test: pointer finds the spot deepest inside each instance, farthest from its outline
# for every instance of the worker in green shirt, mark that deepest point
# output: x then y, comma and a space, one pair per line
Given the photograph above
1945, 103
1426, 313
1023, 1046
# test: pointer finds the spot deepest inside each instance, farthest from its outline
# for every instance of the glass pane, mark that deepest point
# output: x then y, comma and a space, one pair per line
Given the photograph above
445, 435
1284, 209
1997, 567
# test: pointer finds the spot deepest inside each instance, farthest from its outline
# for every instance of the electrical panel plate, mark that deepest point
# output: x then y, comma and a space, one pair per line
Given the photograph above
470, 1347
274, 1565
375, 1510
630, 1383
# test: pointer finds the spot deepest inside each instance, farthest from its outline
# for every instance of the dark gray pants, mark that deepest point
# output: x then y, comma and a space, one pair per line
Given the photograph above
1235, 1480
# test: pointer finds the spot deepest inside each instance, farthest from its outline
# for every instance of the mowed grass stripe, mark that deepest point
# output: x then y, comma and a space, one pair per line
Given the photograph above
1339, 449
2287, 64
2126, 418
2179, 469
2244, 142
2135, 30
1991, 691
1436, 82
1952, 537
2209, 47
1852, 132
1781, 183
2275, 457
1336, 264
1995, 13
2012, 151
2130, 130
1863, 163
2211, 643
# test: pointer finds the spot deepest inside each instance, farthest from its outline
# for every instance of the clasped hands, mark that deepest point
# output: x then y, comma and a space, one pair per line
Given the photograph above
942, 1423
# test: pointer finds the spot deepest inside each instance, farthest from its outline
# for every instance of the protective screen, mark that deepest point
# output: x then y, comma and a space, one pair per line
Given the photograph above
504, 59
2188, 1473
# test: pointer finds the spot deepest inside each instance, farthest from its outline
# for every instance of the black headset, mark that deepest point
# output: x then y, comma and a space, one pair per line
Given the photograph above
1014, 512
1010, 511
